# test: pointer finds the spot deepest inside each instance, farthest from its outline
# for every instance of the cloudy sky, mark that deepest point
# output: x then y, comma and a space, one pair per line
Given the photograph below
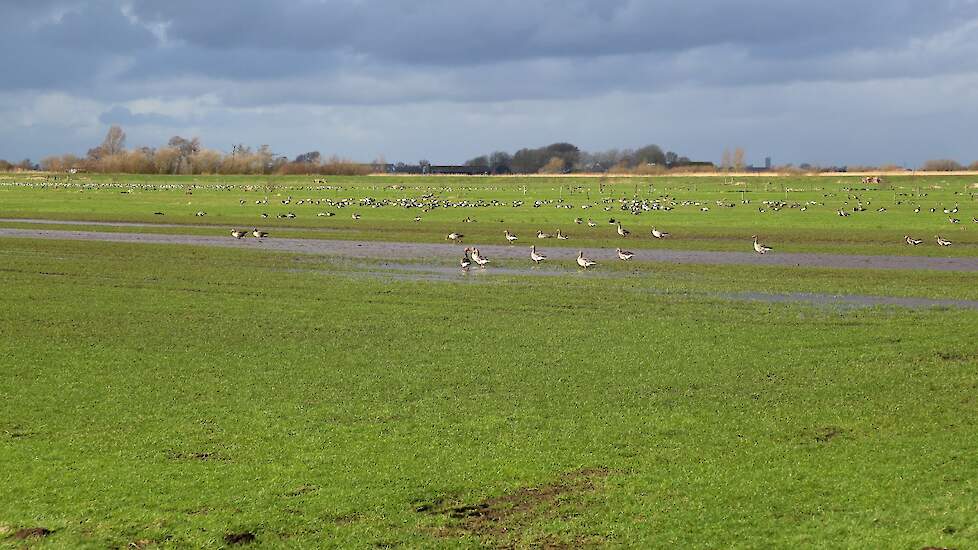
833, 81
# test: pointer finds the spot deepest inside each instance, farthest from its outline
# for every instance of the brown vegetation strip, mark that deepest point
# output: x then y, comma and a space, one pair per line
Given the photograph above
503, 518
395, 251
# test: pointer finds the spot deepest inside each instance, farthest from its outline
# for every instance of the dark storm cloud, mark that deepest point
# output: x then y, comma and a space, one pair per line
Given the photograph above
452, 32
593, 45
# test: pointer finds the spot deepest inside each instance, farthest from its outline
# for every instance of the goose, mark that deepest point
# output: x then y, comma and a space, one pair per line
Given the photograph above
453, 236
537, 258
510, 237
622, 231
943, 242
624, 255
355, 216
760, 248
916, 210
954, 220
465, 262
584, 262
264, 215
911, 241
659, 234
417, 218
578, 221
200, 213
162, 214
478, 258
237, 233
590, 223
843, 213
561, 236
259, 234
974, 220
542, 235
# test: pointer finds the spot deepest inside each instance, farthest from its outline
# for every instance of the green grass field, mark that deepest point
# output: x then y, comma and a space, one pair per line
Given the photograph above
175, 396
817, 228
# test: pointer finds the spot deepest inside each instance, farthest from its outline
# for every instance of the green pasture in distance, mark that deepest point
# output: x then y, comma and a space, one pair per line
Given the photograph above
726, 225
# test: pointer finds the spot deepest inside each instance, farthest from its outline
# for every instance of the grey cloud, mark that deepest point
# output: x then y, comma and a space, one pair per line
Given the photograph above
124, 117
451, 32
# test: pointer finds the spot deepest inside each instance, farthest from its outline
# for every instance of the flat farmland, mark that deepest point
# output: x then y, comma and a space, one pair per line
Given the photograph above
184, 393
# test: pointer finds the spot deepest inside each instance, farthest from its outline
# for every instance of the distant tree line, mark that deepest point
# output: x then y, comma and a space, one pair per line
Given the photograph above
558, 158
187, 156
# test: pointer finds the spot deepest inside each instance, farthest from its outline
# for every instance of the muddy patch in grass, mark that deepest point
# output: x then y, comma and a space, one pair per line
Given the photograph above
31, 532
828, 433
504, 517
202, 456
244, 537
301, 490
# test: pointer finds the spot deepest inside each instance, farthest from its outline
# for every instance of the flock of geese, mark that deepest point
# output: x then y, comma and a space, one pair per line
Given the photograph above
472, 255
914, 242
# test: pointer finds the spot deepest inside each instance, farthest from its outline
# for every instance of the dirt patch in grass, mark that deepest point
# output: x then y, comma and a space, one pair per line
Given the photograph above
828, 433
504, 517
245, 537
202, 456
301, 490
31, 532
956, 357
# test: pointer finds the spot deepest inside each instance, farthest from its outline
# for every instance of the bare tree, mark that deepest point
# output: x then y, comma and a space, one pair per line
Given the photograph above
738, 159
114, 142
726, 161
942, 165
555, 165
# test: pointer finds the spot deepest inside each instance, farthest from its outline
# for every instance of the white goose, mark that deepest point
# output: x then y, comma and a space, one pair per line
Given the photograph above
943, 242
355, 216
760, 248
536, 257
510, 237
590, 223
561, 236
478, 258
259, 234
622, 231
659, 234
584, 262
237, 233
911, 241
542, 235
624, 255
454, 237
